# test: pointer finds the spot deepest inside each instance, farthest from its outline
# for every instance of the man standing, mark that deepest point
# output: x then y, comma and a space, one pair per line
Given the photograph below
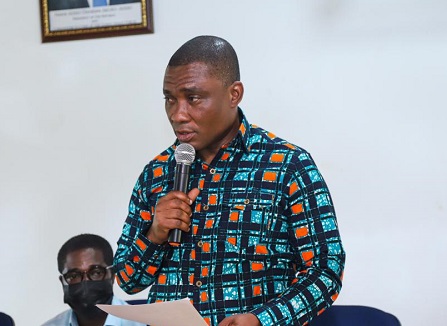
260, 243
85, 263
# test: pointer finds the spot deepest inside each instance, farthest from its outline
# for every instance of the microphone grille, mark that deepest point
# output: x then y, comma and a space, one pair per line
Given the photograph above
185, 153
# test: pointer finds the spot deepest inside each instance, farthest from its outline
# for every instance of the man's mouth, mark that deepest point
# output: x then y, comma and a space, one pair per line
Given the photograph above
184, 136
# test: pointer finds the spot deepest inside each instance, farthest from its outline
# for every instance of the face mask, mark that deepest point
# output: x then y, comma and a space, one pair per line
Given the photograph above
83, 296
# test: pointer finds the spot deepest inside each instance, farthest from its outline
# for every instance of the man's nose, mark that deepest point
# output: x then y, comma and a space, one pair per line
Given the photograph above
84, 276
179, 112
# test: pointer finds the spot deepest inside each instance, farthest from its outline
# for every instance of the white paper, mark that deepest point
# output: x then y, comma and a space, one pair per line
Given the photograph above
169, 313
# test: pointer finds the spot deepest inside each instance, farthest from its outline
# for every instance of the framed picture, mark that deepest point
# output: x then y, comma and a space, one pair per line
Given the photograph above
64, 20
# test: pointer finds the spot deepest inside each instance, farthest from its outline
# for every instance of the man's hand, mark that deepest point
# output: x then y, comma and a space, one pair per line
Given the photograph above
247, 319
173, 211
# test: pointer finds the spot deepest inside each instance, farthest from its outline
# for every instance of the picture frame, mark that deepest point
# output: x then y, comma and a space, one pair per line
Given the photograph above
64, 20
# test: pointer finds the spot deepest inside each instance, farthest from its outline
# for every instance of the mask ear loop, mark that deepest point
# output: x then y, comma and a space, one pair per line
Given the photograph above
63, 280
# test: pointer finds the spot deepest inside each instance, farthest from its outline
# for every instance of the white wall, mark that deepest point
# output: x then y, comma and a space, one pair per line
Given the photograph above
360, 84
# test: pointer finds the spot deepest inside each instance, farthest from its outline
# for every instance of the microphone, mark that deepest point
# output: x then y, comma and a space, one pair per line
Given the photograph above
184, 155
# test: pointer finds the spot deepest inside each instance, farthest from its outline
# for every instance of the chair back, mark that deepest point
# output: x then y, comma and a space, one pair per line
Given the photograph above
137, 301
6, 320
340, 315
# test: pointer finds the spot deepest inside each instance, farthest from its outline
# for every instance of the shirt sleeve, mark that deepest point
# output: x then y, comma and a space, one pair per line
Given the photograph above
316, 244
137, 259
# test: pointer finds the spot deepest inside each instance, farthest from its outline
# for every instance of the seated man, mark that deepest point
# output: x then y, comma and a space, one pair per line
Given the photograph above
85, 263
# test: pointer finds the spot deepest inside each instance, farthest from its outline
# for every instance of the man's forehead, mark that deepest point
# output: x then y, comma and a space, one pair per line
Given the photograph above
195, 70
189, 79
84, 258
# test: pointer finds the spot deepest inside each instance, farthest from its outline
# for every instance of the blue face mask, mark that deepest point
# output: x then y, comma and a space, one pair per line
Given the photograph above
82, 297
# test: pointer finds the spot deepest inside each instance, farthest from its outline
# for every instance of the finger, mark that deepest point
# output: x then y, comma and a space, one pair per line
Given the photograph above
167, 221
176, 194
167, 224
180, 205
179, 224
179, 214
193, 193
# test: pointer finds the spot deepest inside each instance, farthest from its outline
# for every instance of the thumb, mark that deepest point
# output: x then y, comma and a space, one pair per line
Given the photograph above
193, 193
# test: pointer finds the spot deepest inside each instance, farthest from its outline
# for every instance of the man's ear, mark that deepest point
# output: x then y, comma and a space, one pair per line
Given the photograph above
236, 93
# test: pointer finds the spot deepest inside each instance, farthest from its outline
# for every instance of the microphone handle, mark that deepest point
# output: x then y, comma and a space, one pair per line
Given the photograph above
181, 180
181, 177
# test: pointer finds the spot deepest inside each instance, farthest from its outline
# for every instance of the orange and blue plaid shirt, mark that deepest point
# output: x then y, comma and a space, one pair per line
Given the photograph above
264, 237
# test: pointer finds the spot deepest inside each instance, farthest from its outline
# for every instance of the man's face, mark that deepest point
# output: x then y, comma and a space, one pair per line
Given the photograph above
201, 109
86, 282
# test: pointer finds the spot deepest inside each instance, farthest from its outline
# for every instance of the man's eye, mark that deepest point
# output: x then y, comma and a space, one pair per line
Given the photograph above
71, 275
193, 98
168, 100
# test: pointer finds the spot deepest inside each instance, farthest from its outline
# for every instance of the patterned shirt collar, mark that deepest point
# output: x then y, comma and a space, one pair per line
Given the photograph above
242, 137
244, 132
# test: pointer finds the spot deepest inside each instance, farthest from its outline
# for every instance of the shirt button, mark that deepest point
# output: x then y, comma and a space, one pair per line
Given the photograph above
247, 201
200, 243
212, 171
199, 283
205, 207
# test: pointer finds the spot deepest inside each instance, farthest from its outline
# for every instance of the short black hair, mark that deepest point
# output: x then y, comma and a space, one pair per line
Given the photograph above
215, 52
84, 241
